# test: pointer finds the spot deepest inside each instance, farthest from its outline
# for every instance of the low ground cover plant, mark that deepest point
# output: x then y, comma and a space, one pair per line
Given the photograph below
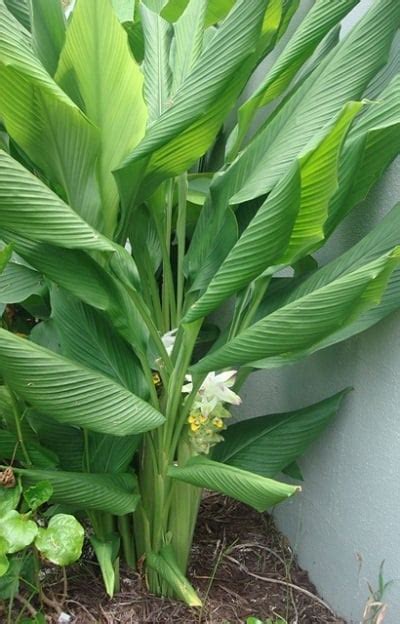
138, 195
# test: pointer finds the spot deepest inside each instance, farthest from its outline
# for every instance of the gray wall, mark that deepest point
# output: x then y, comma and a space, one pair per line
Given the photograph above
347, 519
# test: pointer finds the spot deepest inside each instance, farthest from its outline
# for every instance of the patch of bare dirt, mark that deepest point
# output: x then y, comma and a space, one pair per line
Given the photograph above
241, 566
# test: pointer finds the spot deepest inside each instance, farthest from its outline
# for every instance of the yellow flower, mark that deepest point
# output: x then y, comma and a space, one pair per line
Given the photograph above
218, 423
203, 419
194, 426
193, 419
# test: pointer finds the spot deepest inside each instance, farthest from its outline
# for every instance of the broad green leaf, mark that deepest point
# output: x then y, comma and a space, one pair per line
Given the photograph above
62, 541
45, 123
317, 23
111, 453
36, 495
371, 146
217, 10
381, 239
247, 487
187, 128
291, 221
5, 256
268, 444
116, 494
40, 456
18, 530
342, 76
18, 282
319, 181
304, 322
20, 10
48, 32
87, 338
165, 564
97, 69
66, 442
156, 66
29, 208
9, 498
260, 245
124, 9
188, 41
173, 9
71, 393
78, 273
106, 553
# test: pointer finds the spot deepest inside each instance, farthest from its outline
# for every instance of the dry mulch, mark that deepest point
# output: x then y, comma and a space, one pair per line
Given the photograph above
241, 566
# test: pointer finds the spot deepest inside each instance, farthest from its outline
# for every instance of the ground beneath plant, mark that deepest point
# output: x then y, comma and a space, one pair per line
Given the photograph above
241, 566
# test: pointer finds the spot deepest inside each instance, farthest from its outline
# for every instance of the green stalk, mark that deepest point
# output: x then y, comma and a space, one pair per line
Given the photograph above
128, 546
181, 240
18, 428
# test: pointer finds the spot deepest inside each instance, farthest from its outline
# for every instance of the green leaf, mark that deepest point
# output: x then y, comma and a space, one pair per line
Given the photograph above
4, 563
156, 67
289, 224
18, 282
323, 15
106, 553
29, 208
268, 444
20, 9
66, 442
260, 245
36, 495
124, 9
371, 146
380, 240
78, 273
48, 32
18, 530
165, 564
10, 448
71, 393
9, 497
5, 256
173, 9
247, 487
97, 69
342, 76
188, 40
187, 128
217, 10
9, 583
307, 320
45, 123
87, 338
116, 494
62, 541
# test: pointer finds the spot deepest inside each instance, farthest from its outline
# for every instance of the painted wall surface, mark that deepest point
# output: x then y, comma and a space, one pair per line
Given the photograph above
347, 520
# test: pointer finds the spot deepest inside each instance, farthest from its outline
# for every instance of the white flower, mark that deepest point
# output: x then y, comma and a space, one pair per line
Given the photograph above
214, 389
168, 340
64, 618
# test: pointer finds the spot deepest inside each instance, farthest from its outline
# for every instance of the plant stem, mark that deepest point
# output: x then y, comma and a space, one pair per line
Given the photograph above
181, 240
18, 428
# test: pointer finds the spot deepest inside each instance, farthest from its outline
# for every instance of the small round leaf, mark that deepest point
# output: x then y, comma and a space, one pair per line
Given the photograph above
18, 530
38, 494
61, 543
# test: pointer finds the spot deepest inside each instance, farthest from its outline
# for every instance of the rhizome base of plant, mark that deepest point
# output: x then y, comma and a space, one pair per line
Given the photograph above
241, 566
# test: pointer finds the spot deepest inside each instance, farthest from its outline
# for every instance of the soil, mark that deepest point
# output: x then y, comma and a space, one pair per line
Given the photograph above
241, 566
